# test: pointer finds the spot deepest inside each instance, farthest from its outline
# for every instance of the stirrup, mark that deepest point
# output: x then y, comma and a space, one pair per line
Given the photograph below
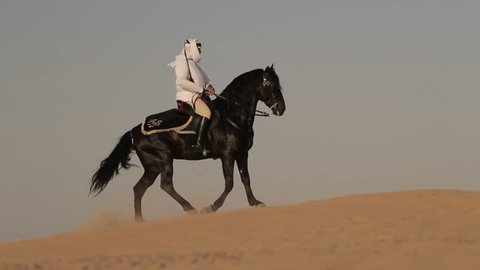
201, 148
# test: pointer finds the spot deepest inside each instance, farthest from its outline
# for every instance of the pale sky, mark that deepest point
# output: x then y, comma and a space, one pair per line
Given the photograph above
381, 96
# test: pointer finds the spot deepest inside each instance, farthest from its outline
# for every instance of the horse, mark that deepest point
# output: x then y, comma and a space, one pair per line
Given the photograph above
229, 139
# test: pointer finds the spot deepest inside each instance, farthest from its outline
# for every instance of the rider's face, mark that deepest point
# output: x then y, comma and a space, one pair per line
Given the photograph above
199, 47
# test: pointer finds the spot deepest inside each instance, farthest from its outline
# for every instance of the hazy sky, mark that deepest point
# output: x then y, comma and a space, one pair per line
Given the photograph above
381, 96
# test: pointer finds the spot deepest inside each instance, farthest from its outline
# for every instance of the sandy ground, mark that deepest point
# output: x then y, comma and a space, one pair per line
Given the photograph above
427, 229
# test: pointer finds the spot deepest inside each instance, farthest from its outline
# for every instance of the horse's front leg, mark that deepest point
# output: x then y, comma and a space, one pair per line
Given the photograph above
227, 166
242, 164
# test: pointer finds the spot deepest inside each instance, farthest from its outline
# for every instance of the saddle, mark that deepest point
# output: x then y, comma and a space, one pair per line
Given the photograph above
180, 121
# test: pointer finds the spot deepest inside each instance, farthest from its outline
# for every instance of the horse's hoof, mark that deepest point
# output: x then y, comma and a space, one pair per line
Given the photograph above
192, 212
139, 219
260, 205
207, 210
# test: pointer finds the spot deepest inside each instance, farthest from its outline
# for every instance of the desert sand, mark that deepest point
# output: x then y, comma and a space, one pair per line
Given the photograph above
420, 229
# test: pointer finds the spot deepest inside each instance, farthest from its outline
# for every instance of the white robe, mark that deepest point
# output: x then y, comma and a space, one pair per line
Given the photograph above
186, 89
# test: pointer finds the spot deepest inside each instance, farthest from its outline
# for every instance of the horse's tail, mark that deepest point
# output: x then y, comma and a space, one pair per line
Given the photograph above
109, 167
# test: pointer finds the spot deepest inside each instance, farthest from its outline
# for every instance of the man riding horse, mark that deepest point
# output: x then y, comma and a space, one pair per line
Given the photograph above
191, 83
230, 135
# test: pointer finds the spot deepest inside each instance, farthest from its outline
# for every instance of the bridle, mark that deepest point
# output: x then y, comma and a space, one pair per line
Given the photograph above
267, 83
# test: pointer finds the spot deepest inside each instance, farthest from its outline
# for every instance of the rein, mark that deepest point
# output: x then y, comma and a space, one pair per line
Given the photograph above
257, 112
186, 59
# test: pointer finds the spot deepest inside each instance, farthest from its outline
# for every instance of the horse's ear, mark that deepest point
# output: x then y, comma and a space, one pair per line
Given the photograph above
269, 68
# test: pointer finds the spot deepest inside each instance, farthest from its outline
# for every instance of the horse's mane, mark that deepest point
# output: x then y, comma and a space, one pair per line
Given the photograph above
237, 87
241, 81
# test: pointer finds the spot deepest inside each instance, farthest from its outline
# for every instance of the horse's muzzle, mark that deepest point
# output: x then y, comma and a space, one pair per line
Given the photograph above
278, 108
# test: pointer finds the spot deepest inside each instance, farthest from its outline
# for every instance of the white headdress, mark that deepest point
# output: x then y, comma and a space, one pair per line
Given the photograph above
189, 51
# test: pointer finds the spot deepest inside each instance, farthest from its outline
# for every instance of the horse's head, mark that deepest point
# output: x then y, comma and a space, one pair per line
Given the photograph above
271, 91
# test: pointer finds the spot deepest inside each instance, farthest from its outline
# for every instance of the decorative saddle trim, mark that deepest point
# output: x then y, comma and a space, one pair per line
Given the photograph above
153, 126
153, 123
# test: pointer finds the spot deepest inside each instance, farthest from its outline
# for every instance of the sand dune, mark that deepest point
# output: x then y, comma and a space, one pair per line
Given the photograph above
421, 229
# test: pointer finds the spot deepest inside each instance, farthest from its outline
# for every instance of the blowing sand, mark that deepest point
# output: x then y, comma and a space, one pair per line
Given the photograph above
427, 229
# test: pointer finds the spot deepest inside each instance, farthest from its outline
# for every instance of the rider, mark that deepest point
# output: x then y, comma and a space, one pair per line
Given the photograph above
191, 83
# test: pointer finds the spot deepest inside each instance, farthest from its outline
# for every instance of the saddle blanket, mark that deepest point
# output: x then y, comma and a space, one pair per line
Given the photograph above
171, 120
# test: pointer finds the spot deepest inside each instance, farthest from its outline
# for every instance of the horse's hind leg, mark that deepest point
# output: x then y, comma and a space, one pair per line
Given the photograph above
139, 189
167, 185
151, 167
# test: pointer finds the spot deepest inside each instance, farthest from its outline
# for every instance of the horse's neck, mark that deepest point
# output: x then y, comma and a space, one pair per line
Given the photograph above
243, 91
244, 114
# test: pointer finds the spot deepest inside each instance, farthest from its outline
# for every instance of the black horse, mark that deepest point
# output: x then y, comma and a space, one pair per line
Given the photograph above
229, 139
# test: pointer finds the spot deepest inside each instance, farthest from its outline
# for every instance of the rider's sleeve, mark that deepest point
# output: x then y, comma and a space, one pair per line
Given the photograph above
183, 78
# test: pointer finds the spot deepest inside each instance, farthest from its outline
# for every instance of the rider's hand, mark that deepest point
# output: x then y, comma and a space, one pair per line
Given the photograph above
211, 90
